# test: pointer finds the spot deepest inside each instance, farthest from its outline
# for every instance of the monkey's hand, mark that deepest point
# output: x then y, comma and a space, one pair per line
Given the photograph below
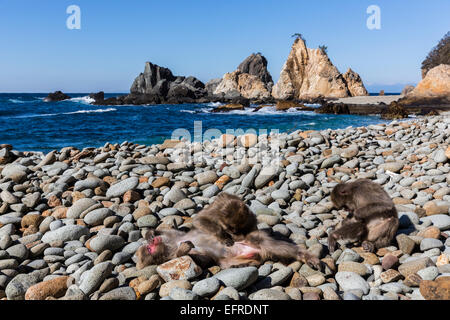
184, 248
228, 242
368, 246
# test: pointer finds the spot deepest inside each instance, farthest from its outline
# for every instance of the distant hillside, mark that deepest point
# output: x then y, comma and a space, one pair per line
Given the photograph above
438, 55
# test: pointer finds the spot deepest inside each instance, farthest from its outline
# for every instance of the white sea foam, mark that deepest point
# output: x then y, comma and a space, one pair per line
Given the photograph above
65, 113
16, 101
84, 100
214, 104
92, 111
269, 110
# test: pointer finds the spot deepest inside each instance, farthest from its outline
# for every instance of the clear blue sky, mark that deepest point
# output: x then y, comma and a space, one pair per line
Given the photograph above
206, 38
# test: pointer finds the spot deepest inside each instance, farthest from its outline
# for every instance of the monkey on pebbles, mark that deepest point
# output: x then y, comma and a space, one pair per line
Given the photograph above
228, 219
206, 251
374, 219
225, 234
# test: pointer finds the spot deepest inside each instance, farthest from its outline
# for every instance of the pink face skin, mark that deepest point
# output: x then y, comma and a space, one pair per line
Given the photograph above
151, 247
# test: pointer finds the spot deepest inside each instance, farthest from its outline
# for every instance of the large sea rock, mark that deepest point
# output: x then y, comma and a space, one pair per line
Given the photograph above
250, 80
310, 74
156, 80
158, 85
56, 96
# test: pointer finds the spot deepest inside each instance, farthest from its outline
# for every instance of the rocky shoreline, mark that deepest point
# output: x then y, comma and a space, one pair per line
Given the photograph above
71, 220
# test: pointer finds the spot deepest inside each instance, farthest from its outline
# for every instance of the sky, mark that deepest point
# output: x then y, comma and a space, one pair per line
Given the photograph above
207, 38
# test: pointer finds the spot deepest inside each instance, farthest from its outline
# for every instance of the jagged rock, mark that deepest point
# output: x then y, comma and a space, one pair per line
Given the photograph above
251, 80
354, 83
98, 97
56, 96
211, 86
309, 73
256, 65
157, 84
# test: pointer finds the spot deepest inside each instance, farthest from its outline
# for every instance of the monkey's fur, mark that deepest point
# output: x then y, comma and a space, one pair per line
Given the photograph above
205, 250
228, 219
375, 220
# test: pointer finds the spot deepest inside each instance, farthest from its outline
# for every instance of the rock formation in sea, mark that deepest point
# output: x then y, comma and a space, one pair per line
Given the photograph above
250, 80
309, 74
159, 81
56, 96
158, 85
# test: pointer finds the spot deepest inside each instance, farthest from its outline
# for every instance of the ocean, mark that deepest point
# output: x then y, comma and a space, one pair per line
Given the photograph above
30, 124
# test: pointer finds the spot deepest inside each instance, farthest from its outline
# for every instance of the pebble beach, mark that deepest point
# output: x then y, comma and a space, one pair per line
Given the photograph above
71, 220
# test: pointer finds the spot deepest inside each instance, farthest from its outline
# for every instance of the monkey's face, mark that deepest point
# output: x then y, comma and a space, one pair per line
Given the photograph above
340, 196
150, 253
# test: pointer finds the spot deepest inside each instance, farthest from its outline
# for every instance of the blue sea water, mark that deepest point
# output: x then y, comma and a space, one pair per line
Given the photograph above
30, 124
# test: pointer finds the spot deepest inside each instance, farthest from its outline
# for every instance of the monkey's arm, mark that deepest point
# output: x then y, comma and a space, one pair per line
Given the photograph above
375, 210
348, 230
205, 225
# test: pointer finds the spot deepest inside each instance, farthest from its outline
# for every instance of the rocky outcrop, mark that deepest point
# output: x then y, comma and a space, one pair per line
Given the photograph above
355, 84
284, 105
56, 96
211, 86
394, 111
158, 85
251, 80
97, 97
256, 65
229, 107
332, 108
159, 81
436, 83
309, 73
433, 89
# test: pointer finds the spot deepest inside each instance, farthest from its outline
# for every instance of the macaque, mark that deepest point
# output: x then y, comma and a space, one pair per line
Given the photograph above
205, 250
228, 219
374, 219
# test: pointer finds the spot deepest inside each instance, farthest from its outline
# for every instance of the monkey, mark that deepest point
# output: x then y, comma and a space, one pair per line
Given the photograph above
228, 218
374, 220
206, 250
